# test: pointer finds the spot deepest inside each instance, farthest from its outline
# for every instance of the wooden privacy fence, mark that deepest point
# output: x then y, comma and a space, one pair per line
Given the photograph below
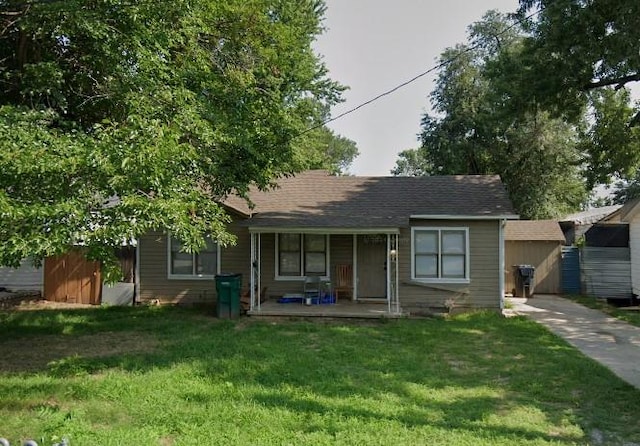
545, 256
571, 270
72, 278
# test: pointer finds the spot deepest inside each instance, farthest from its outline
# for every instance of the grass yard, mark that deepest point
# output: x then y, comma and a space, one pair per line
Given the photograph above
630, 316
168, 376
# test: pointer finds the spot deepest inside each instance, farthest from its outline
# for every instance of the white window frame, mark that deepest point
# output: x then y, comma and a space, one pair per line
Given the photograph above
440, 279
301, 277
172, 276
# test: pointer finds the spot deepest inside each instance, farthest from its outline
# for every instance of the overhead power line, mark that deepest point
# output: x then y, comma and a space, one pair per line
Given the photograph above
415, 78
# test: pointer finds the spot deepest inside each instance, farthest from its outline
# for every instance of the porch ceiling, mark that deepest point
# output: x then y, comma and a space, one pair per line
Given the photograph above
322, 230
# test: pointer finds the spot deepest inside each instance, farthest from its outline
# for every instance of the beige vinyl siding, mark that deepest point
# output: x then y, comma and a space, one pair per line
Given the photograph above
483, 289
545, 256
634, 250
154, 281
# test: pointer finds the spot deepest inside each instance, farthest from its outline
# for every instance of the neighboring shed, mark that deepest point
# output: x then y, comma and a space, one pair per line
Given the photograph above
538, 243
575, 226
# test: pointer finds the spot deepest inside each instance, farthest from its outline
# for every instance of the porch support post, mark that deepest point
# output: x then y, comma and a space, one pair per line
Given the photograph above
389, 287
136, 278
258, 273
252, 266
355, 268
397, 278
501, 226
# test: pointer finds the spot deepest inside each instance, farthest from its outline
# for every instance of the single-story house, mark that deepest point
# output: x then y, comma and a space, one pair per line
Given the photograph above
537, 243
417, 244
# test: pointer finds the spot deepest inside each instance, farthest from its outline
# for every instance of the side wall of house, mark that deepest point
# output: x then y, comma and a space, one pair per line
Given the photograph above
483, 289
634, 248
545, 256
154, 278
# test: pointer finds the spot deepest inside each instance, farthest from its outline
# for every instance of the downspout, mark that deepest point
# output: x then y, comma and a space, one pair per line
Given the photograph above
136, 272
258, 270
355, 268
252, 277
388, 272
397, 271
501, 225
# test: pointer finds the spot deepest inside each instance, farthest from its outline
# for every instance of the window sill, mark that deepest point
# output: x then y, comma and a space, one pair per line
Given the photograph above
418, 281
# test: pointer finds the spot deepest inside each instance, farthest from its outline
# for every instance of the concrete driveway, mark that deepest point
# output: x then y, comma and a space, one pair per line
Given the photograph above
609, 341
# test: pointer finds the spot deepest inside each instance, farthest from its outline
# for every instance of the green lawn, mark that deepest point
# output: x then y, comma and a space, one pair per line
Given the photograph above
164, 376
630, 316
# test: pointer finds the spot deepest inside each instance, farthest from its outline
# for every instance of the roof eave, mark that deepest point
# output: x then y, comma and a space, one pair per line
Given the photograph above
322, 230
464, 217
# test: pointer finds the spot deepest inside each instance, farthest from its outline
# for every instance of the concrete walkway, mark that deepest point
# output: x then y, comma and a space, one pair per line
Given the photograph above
609, 341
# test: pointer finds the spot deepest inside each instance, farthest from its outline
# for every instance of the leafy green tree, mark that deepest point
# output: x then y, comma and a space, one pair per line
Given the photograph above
411, 163
610, 146
477, 128
168, 106
578, 46
322, 148
579, 59
625, 190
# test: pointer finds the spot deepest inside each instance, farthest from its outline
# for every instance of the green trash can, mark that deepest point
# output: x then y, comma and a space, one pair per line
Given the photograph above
228, 291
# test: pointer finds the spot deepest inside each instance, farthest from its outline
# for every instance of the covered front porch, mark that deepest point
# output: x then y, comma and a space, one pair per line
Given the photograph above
282, 259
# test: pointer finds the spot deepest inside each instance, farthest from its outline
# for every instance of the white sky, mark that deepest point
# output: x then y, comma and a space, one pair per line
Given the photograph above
374, 45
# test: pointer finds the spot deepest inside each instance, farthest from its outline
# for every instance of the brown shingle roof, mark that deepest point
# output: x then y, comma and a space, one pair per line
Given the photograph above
529, 230
317, 199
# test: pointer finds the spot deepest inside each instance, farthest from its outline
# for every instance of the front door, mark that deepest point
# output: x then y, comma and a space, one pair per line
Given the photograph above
372, 267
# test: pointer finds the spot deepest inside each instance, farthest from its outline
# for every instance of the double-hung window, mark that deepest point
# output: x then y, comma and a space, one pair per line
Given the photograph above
299, 255
186, 265
440, 254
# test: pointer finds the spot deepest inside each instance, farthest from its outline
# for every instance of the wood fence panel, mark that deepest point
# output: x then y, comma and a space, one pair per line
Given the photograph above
72, 278
544, 256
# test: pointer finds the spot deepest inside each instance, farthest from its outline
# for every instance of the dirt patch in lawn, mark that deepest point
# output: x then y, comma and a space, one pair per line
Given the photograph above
32, 354
26, 302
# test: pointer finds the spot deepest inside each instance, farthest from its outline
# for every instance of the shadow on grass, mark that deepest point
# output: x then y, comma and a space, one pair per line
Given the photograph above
490, 365
463, 414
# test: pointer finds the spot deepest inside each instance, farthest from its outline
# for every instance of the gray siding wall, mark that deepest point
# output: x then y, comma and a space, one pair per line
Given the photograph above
154, 281
606, 272
25, 277
483, 289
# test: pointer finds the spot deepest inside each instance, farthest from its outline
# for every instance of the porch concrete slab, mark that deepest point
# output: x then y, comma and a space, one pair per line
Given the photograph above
345, 309
611, 342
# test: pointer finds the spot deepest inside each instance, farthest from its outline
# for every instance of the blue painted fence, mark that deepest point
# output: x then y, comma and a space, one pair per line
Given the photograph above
570, 270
